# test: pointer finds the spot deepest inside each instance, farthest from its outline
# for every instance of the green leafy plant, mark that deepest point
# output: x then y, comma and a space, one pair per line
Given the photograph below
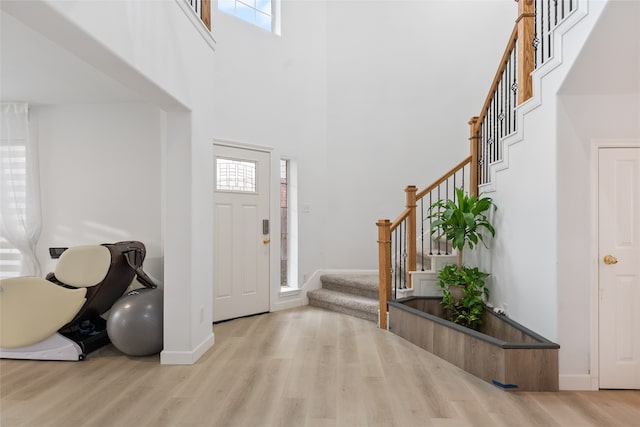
462, 221
465, 310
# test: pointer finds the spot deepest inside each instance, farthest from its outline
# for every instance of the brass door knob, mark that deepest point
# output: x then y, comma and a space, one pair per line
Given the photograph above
610, 259
266, 240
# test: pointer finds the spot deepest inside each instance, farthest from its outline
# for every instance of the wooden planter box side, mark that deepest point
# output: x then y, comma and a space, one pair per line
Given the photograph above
518, 363
532, 369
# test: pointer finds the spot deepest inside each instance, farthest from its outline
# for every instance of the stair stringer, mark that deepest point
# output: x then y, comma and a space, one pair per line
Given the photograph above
535, 101
569, 39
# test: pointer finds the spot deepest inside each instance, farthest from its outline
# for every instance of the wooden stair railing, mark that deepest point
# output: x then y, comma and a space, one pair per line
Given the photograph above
529, 46
511, 86
406, 224
202, 8
206, 13
385, 230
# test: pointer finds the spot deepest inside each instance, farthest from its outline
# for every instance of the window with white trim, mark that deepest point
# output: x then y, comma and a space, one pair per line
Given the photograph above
261, 13
13, 171
288, 225
20, 214
284, 222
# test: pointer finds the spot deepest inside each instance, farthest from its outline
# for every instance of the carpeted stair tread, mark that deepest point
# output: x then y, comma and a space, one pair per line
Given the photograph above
365, 285
354, 305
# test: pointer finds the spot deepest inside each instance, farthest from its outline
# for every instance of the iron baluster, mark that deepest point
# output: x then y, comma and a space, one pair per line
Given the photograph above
439, 198
401, 272
430, 239
422, 232
396, 258
514, 88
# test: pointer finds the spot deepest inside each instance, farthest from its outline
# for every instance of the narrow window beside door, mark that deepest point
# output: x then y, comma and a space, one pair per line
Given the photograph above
284, 222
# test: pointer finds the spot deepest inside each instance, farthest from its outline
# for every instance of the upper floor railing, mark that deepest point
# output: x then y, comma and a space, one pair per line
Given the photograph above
202, 8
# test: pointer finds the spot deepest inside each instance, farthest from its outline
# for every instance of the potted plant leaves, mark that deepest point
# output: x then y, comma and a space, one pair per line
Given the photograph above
463, 221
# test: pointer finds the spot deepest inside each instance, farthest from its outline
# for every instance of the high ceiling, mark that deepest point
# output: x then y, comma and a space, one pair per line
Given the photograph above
33, 69
609, 62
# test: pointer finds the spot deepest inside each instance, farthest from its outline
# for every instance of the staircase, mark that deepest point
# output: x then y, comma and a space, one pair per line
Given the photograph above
352, 294
439, 250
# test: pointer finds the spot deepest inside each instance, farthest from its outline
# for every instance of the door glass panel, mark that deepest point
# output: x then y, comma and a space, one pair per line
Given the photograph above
235, 175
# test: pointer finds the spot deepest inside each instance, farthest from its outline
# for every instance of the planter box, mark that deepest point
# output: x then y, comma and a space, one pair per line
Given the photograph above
504, 352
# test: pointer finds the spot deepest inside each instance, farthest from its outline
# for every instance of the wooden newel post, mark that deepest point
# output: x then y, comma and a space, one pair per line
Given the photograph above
384, 268
526, 51
474, 143
411, 233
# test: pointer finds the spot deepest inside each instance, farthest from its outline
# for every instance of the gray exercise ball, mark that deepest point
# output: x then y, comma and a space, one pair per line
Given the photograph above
134, 325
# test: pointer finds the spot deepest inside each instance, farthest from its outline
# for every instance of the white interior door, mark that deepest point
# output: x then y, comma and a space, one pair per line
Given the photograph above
619, 273
241, 232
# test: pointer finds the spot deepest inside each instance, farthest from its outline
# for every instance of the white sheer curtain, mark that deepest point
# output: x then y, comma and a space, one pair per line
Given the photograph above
20, 216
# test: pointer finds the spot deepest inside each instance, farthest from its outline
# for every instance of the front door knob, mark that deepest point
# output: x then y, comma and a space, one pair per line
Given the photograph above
610, 259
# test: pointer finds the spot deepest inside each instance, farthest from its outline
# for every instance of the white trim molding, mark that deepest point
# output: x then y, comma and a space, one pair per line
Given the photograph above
197, 23
187, 357
535, 101
243, 145
575, 382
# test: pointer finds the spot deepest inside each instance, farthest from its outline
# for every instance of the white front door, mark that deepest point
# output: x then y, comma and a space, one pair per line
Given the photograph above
619, 267
241, 232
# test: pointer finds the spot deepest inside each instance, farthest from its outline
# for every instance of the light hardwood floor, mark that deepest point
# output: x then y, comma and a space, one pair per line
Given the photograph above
304, 367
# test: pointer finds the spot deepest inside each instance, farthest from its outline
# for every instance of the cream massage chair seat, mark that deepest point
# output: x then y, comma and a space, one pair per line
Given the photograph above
58, 318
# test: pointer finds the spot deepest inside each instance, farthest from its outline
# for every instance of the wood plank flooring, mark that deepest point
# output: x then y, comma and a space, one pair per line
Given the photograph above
304, 367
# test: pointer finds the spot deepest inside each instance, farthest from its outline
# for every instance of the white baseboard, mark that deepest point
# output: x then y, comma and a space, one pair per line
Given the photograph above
187, 357
283, 304
575, 382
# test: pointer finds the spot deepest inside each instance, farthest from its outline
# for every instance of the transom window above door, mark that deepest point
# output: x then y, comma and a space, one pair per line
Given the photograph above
235, 175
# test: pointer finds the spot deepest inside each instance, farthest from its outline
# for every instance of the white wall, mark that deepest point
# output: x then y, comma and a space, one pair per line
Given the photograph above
582, 119
100, 177
404, 78
523, 259
154, 50
541, 259
271, 91
366, 97
597, 101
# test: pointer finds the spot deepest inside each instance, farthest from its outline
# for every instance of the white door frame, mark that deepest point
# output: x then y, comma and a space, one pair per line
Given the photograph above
274, 225
596, 145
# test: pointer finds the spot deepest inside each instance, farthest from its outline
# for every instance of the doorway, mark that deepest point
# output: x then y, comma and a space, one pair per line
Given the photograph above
241, 232
618, 224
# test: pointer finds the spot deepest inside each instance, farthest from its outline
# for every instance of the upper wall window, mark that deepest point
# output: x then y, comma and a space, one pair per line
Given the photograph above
262, 13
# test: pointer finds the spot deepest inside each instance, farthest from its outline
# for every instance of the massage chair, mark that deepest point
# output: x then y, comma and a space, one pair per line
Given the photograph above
60, 317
